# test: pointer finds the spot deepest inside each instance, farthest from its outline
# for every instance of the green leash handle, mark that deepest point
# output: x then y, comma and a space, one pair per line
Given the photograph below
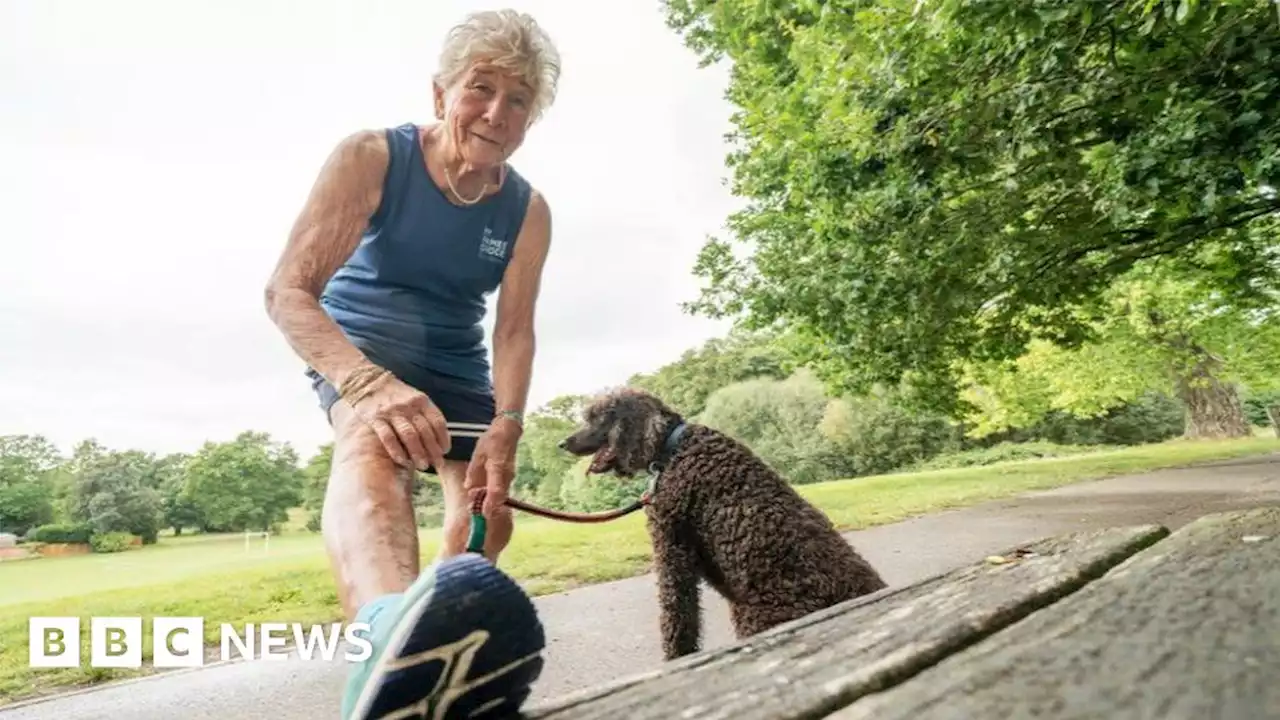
475, 541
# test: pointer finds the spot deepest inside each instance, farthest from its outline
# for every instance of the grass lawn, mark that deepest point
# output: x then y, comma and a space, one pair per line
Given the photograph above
216, 578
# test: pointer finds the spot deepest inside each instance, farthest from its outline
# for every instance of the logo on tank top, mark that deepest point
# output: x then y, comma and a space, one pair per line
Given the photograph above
492, 248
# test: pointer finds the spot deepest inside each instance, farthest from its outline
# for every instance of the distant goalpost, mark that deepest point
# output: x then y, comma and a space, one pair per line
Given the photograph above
250, 535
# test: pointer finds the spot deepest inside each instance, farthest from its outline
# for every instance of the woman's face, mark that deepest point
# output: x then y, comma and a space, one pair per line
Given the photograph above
487, 112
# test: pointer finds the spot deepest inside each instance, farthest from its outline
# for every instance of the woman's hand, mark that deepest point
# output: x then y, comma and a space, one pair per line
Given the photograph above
410, 426
493, 464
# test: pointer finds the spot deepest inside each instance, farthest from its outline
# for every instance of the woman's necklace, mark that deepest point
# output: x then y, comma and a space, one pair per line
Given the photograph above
448, 177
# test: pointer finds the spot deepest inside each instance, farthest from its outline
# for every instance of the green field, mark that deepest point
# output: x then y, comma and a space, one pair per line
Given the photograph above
217, 578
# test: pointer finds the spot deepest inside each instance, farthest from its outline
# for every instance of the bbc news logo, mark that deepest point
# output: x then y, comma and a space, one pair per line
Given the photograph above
117, 642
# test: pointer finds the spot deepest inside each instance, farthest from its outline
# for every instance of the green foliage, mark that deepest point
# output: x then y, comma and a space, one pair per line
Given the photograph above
116, 491
25, 505
1004, 452
28, 467
178, 510
1258, 404
779, 420
111, 542
581, 492
541, 466
1150, 418
74, 532
315, 480
1158, 332
687, 383
246, 484
937, 180
876, 435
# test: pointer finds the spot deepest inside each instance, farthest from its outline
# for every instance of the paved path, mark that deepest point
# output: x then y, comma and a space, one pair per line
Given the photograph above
602, 632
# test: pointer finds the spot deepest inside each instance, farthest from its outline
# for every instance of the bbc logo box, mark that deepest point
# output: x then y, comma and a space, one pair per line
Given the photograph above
115, 642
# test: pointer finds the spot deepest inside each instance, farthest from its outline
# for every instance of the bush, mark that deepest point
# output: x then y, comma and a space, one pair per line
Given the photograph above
580, 492
111, 542
1004, 452
63, 533
877, 436
779, 421
1256, 404
1151, 418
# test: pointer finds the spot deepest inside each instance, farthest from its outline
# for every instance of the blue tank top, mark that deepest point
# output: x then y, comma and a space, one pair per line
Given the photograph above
412, 296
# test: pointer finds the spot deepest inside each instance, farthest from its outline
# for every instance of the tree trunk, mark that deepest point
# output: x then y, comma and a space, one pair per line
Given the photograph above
1273, 411
1214, 410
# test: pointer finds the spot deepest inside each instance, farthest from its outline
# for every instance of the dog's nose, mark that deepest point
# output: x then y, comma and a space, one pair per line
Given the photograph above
563, 444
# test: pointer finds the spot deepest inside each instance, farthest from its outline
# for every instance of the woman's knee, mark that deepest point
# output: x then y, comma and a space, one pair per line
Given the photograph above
365, 485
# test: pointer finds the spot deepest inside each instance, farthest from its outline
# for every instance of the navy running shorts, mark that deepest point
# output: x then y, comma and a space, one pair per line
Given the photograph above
467, 411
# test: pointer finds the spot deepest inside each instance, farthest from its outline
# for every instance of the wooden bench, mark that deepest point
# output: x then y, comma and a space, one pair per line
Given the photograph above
1132, 622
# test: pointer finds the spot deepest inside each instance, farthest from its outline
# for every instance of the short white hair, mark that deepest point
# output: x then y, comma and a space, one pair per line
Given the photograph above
509, 40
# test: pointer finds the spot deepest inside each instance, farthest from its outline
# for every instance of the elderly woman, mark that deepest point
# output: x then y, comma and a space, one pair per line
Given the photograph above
381, 290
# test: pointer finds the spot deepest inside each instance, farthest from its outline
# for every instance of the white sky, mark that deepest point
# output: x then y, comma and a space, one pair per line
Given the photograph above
153, 155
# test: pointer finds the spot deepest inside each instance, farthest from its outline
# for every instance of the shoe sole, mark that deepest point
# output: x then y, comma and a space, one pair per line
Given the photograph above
469, 647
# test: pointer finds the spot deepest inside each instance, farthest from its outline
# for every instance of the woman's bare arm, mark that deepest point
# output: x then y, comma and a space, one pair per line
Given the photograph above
513, 332
326, 233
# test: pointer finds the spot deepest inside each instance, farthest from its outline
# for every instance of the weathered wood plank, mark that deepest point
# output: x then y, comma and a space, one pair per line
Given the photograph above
1189, 628
819, 663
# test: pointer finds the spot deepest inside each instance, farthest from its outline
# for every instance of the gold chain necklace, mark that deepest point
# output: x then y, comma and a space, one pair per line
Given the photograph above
448, 177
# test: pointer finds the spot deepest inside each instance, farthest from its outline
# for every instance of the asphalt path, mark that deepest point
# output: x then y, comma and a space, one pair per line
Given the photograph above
607, 631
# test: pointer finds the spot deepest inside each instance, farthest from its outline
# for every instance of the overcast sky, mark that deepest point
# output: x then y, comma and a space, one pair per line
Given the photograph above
153, 155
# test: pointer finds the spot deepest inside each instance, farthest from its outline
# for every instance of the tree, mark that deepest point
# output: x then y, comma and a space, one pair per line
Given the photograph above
541, 464
933, 180
315, 482
686, 383
247, 483
28, 464
1164, 333
875, 434
116, 491
178, 509
780, 420
581, 492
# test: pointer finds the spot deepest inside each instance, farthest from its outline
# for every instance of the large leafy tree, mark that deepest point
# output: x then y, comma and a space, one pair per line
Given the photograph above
687, 383
1162, 333
28, 464
780, 420
117, 491
541, 464
930, 180
248, 483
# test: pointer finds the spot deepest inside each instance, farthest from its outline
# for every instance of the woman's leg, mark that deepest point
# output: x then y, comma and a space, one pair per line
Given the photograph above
456, 640
368, 522
457, 517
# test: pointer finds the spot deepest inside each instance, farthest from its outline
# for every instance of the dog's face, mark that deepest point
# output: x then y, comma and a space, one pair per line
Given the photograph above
624, 432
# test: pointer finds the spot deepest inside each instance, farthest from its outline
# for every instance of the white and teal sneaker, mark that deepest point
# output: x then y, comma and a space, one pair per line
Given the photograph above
463, 642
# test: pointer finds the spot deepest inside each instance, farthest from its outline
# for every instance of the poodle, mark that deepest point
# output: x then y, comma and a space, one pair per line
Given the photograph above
716, 512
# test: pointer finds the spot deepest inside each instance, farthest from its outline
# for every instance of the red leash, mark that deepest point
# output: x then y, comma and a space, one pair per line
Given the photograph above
475, 542
477, 502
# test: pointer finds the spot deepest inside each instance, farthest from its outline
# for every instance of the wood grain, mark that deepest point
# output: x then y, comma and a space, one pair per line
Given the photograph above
822, 662
1189, 628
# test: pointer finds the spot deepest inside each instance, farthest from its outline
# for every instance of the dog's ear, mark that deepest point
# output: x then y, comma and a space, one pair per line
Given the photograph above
655, 428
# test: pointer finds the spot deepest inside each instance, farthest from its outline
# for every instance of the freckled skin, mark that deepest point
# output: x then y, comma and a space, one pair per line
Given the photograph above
722, 515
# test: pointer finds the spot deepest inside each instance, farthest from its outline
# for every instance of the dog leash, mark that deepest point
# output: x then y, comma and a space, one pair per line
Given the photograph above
479, 524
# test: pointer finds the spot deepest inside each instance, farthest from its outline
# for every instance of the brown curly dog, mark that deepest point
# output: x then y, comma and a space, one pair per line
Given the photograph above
721, 514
